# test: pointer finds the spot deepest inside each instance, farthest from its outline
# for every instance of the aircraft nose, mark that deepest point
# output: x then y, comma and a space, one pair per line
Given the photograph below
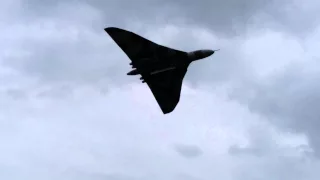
208, 52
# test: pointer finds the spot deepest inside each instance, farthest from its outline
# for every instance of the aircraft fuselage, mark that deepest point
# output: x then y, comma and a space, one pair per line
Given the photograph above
199, 54
192, 56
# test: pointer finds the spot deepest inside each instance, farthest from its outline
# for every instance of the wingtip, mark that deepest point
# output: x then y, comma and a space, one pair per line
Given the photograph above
167, 111
108, 29
111, 28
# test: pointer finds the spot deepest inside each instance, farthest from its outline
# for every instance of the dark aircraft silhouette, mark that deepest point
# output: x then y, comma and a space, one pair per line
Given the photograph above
162, 68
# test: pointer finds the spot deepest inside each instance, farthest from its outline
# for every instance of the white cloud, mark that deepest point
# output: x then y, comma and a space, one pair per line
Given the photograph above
123, 132
270, 51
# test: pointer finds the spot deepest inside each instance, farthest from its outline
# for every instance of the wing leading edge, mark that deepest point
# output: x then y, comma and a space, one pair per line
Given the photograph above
148, 57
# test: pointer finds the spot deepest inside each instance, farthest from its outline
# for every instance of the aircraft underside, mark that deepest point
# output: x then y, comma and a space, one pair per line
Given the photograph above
161, 68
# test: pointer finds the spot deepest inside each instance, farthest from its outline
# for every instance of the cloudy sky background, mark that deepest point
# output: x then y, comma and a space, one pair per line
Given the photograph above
249, 112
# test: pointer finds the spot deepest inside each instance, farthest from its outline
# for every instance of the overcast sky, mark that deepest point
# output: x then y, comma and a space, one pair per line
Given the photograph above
249, 112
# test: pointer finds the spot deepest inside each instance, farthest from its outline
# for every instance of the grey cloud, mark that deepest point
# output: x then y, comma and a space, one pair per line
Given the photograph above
188, 151
66, 42
73, 53
260, 142
57, 91
297, 17
68, 37
290, 99
282, 168
16, 93
230, 17
263, 150
236, 150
